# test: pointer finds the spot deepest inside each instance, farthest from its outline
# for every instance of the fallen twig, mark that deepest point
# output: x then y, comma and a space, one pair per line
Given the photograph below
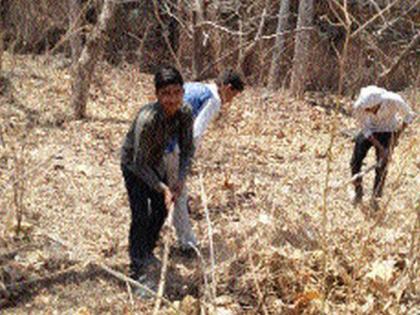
210, 235
356, 176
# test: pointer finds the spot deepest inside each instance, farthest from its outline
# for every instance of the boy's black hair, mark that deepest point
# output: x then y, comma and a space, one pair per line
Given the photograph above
167, 75
231, 77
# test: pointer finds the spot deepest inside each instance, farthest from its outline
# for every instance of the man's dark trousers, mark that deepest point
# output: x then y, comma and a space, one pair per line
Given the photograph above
361, 148
148, 213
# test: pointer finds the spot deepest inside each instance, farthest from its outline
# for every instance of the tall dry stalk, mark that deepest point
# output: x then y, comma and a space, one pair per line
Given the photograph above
1, 50
19, 186
162, 280
210, 236
257, 285
413, 255
2, 142
324, 231
202, 265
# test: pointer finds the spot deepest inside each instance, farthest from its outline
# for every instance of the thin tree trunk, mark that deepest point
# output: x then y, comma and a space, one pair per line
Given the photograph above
302, 48
282, 24
198, 55
1, 49
241, 44
215, 37
4, 82
85, 66
3, 10
344, 53
75, 12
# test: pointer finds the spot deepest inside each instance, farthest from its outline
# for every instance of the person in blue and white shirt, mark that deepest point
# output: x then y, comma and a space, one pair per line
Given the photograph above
206, 101
376, 110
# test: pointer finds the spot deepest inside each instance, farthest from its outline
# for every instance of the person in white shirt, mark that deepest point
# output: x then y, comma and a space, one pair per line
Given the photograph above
206, 101
376, 110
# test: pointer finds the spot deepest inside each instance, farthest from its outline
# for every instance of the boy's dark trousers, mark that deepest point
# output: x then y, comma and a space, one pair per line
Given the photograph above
148, 213
361, 148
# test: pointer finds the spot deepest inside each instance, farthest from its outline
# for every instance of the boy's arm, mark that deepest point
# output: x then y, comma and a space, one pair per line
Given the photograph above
209, 111
382, 152
400, 105
408, 114
405, 109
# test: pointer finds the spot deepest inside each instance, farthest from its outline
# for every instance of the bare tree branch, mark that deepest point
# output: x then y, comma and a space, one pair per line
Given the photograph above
374, 18
387, 73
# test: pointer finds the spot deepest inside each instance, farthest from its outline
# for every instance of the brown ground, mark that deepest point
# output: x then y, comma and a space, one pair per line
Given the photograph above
278, 247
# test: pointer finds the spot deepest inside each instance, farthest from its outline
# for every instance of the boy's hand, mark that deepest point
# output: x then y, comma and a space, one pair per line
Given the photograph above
177, 190
381, 150
384, 154
169, 199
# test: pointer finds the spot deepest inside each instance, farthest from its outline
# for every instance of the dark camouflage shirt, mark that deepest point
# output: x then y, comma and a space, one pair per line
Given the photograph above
147, 139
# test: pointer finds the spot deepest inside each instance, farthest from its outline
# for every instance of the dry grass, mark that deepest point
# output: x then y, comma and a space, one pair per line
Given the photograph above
280, 244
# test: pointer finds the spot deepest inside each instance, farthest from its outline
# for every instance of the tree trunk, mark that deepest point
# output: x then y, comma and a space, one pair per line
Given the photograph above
1, 49
344, 53
302, 48
75, 18
215, 38
3, 80
197, 41
3, 12
282, 24
85, 66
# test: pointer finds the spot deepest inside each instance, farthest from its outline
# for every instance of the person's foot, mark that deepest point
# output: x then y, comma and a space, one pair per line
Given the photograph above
150, 260
149, 286
358, 195
358, 198
186, 250
147, 273
143, 266
374, 204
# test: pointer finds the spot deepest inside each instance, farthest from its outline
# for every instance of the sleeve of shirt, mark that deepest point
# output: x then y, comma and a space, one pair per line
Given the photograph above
360, 115
367, 132
209, 111
143, 141
186, 143
404, 109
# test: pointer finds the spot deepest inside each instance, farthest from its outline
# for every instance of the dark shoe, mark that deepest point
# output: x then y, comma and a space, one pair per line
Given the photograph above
184, 251
149, 287
358, 197
188, 252
148, 271
141, 266
374, 204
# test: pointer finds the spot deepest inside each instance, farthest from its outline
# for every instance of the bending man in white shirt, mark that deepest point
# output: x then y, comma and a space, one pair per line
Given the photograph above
206, 101
376, 111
